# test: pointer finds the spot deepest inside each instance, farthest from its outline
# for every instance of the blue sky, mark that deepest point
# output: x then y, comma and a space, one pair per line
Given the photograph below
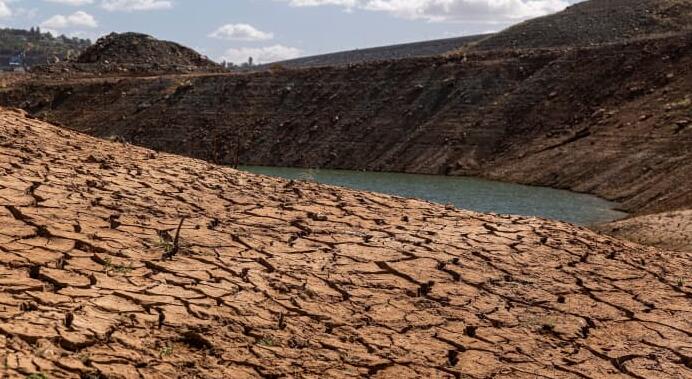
272, 30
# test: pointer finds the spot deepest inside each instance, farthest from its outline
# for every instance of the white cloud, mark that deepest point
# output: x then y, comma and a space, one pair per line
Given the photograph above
77, 19
261, 54
71, 2
241, 32
25, 13
135, 5
313, 3
449, 10
5, 10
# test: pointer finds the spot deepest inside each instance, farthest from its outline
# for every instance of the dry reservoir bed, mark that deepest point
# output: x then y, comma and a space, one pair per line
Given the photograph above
274, 278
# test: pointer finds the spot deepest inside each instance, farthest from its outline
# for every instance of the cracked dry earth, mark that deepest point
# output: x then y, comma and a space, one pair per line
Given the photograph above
274, 278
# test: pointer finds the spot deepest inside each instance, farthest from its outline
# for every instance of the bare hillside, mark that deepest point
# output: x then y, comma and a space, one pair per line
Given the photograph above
596, 22
119, 262
406, 50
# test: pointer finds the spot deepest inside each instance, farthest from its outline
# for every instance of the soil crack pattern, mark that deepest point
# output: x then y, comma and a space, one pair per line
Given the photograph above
120, 262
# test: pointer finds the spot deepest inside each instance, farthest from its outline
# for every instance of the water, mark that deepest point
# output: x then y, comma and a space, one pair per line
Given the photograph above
465, 193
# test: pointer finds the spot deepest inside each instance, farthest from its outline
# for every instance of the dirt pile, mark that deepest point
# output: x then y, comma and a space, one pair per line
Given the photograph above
135, 48
595, 22
134, 53
268, 278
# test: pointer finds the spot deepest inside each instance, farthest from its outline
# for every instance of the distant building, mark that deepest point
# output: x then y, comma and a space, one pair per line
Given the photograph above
17, 60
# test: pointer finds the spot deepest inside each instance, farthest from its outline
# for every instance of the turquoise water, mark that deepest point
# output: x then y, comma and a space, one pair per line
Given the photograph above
465, 193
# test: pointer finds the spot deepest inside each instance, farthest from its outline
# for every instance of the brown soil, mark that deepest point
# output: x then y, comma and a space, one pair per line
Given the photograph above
668, 230
594, 99
8, 79
277, 278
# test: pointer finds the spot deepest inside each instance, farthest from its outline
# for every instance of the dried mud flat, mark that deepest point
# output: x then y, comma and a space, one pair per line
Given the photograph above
273, 278
668, 230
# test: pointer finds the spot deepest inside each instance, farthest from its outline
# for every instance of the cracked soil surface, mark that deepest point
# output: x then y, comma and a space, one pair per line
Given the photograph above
272, 278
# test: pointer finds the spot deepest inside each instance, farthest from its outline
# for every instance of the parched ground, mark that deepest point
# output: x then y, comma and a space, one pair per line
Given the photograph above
668, 230
273, 278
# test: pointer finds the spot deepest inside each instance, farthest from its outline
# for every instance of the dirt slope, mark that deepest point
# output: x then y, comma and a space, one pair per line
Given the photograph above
595, 22
273, 278
668, 230
615, 121
593, 99
400, 51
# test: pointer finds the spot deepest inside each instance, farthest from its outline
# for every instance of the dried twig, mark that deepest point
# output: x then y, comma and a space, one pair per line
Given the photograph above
176, 245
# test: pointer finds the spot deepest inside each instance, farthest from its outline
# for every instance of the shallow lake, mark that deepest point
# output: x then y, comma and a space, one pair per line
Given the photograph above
465, 193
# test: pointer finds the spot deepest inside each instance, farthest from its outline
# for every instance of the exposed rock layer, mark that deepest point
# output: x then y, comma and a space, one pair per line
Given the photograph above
271, 278
612, 120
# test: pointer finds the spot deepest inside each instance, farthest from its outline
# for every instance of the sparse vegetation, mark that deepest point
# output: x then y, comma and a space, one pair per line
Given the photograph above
679, 104
34, 47
165, 244
171, 245
266, 341
166, 350
123, 269
118, 268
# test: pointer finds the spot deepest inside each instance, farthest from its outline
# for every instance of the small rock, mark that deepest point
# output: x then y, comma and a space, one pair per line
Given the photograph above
598, 112
317, 216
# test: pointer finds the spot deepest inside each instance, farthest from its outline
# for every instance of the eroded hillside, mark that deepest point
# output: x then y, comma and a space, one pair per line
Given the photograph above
612, 120
595, 22
271, 277
373, 54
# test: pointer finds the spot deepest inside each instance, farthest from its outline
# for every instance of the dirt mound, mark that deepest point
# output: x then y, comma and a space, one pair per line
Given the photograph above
116, 261
138, 49
596, 22
132, 53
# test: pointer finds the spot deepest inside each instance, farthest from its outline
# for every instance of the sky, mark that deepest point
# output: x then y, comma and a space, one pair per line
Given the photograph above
273, 30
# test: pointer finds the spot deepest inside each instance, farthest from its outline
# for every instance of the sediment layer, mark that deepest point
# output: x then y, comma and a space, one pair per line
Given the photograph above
667, 230
270, 278
610, 120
